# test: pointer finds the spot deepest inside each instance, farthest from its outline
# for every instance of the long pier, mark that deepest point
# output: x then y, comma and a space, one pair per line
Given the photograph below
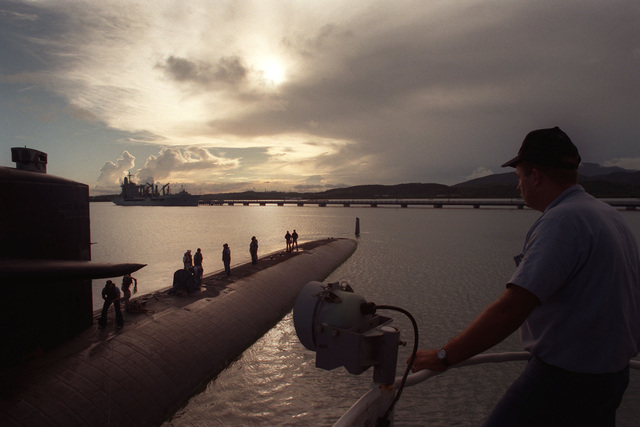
628, 204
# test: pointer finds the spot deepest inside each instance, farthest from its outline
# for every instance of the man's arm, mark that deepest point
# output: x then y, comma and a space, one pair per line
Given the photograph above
494, 324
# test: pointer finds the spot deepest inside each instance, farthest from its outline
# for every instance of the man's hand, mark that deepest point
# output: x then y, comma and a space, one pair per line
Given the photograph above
427, 359
493, 325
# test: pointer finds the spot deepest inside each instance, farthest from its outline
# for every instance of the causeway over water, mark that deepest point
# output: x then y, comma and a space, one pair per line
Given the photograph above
628, 204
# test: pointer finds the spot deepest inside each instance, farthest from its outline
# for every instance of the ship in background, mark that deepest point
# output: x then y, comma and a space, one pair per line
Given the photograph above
151, 195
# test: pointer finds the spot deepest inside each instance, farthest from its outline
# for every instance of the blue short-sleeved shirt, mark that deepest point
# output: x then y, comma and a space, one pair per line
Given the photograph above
581, 260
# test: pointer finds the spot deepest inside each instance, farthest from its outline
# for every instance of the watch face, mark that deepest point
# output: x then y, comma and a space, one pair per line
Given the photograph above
442, 354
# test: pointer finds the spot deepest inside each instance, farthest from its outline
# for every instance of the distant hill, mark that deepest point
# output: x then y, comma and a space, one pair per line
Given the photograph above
398, 191
603, 182
594, 169
502, 185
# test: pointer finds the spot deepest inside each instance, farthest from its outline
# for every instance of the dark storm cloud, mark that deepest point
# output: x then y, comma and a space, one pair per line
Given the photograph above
228, 70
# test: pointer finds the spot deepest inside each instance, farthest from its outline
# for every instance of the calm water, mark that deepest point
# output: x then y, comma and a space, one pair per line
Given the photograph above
442, 265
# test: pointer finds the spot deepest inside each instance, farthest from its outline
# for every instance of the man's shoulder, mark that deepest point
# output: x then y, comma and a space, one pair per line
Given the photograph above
580, 203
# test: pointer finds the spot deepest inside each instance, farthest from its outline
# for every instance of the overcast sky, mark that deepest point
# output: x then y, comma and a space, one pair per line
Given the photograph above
304, 95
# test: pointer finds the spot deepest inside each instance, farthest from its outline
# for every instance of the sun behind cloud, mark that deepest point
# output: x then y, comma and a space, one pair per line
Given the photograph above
272, 71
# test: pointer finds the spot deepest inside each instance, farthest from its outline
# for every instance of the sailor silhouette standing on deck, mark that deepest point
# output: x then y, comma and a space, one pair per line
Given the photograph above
226, 259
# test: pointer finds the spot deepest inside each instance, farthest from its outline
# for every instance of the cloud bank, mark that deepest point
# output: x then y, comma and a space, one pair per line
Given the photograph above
256, 92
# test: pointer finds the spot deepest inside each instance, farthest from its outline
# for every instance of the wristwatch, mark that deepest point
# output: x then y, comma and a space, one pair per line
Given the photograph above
442, 357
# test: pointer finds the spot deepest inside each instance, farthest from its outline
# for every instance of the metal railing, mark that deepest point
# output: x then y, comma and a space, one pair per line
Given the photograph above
379, 397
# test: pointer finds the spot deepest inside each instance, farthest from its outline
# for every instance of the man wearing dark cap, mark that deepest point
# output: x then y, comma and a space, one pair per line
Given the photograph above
575, 294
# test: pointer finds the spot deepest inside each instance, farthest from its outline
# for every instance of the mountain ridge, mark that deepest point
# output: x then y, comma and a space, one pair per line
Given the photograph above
600, 181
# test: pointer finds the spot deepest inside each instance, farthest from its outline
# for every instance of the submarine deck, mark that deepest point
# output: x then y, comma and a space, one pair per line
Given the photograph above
141, 374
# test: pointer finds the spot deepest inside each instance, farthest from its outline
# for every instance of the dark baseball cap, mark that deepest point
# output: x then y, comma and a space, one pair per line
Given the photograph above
547, 147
